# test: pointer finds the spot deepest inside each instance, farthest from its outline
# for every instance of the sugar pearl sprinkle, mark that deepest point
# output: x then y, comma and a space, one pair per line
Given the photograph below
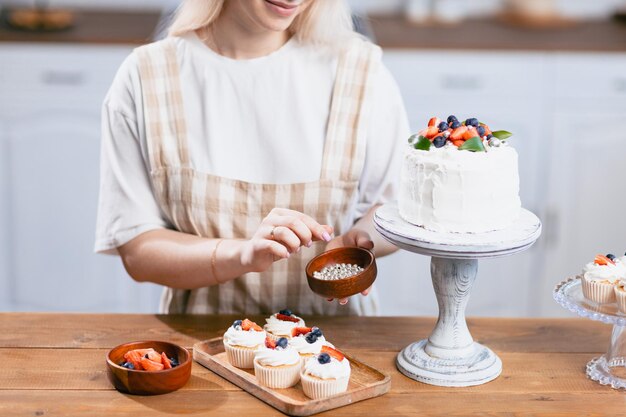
337, 271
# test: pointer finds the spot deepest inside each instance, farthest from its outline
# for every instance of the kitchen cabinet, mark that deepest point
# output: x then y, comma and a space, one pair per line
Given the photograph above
52, 97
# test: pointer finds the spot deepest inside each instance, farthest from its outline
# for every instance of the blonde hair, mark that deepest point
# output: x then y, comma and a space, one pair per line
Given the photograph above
323, 22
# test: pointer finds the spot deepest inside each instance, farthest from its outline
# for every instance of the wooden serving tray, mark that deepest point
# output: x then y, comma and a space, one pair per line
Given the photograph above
365, 382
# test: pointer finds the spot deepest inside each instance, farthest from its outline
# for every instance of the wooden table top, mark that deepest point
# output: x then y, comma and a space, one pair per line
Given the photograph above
54, 365
490, 34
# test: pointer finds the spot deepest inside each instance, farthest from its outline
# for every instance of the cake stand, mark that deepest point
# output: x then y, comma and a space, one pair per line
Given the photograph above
449, 356
610, 368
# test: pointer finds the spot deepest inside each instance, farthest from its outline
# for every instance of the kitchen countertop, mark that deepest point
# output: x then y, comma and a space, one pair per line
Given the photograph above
94, 27
488, 34
54, 365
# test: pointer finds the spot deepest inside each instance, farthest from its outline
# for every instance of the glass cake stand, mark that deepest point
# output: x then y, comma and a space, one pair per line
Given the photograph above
610, 368
449, 356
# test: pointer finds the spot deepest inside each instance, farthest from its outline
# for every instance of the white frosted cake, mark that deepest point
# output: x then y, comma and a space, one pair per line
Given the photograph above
459, 177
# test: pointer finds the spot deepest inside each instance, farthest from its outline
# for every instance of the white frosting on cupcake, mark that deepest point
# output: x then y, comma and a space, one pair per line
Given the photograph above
331, 370
276, 357
247, 338
281, 327
302, 346
610, 272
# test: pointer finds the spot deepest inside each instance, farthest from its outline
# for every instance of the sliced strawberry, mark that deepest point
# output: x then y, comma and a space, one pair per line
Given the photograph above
167, 364
149, 365
603, 260
270, 343
297, 331
333, 352
457, 134
249, 324
153, 356
143, 351
470, 133
434, 121
458, 143
134, 357
287, 318
431, 132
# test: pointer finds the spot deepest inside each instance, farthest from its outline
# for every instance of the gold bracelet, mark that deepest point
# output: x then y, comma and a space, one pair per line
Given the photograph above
213, 260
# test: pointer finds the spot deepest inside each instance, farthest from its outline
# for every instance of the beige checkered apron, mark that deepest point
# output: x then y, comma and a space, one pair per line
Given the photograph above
215, 207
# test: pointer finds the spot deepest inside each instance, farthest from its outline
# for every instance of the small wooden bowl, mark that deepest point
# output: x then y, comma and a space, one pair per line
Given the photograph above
342, 288
149, 382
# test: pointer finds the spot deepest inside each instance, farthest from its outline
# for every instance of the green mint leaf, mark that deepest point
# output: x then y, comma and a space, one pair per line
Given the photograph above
502, 134
473, 145
422, 143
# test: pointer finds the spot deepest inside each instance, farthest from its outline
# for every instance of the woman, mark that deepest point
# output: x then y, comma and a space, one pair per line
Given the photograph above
236, 148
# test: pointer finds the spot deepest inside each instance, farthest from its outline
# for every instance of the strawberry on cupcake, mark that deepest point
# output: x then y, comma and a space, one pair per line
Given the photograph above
241, 340
281, 324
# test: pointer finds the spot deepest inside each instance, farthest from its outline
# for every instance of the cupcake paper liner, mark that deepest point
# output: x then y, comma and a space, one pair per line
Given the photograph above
321, 388
620, 296
284, 376
600, 292
240, 357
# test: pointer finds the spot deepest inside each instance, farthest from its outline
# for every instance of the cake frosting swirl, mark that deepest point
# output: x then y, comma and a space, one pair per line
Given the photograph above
276, 357
280, 327
611, 272
239, 337
300, 344
334, 369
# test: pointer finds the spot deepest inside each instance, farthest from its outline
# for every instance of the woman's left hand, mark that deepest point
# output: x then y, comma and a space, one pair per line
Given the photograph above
354, 237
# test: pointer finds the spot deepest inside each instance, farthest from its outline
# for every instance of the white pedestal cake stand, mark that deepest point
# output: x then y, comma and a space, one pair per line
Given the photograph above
450, 357
610, 368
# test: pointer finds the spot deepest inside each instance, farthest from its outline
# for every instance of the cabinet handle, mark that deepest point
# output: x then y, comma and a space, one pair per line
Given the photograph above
461, 82
53, 77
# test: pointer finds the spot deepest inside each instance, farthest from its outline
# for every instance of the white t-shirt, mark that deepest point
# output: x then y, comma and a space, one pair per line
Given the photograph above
259, 120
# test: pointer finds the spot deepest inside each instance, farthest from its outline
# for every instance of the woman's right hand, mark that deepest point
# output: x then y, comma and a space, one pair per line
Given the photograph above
281, 233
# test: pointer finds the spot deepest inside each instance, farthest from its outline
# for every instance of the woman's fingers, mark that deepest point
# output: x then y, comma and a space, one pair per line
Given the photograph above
367, 291
297, 226
318, 231
276, 249
285, 236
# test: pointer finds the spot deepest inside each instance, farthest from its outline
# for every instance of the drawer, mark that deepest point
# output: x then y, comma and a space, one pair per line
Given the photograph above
57, 73
591, 76
484, 75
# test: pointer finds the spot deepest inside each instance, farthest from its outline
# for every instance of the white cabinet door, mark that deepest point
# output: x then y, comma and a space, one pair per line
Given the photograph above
5, 232
54, 190
587, 196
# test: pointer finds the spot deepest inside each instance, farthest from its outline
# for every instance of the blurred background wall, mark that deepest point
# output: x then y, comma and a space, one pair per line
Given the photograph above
558, 83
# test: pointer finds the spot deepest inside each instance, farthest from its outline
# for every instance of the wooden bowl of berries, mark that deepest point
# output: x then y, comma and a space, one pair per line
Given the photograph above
341, 272
149, 367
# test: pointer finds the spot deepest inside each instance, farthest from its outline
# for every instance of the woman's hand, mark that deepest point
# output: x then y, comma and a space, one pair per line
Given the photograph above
354, 237
281, 233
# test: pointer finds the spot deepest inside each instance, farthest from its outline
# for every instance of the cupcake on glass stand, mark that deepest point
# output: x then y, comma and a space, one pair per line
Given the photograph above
610, 368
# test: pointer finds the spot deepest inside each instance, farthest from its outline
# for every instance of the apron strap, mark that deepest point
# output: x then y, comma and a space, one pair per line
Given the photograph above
344, 149
166, 130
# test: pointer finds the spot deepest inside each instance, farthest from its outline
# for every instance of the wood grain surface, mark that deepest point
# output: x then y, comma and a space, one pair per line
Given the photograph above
54, 365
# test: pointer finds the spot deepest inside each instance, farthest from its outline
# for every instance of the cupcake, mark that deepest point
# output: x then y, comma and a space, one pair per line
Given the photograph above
308, 341
620, 295
599, 278
241, 340
281, 324
325, 374
276, 364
